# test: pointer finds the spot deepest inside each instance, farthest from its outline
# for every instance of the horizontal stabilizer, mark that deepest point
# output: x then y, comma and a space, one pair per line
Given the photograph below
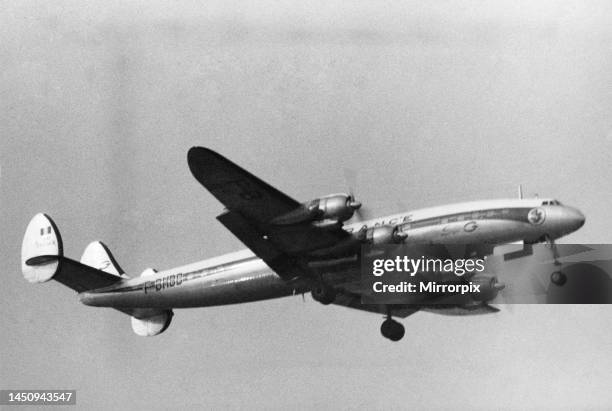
42, 258
81, 277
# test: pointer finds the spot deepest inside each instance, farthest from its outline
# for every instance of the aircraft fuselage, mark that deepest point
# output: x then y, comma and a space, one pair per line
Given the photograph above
243, 277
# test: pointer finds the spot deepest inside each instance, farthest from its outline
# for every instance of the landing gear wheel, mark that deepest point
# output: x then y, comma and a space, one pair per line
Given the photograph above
558, 278
392, 330
323, 294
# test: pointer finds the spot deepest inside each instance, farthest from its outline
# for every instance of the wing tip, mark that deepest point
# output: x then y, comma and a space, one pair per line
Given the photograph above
196, 152
198, 157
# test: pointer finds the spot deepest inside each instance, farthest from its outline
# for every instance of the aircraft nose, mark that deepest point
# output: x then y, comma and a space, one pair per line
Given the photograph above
574, 217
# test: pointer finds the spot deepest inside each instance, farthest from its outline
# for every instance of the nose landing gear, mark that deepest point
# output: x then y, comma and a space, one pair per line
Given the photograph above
391, 329
558, 278
553, 246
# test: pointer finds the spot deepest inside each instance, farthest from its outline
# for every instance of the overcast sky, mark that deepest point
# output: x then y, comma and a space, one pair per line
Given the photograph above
429, 102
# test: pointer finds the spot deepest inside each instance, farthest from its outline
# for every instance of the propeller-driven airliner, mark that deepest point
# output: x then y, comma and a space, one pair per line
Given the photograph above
292, 248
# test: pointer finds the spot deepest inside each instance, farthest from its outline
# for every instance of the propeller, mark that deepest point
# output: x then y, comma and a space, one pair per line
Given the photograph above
352, 203
350, 180
504, 297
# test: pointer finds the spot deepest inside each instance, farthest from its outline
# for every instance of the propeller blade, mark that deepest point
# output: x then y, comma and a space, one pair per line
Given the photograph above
350, 181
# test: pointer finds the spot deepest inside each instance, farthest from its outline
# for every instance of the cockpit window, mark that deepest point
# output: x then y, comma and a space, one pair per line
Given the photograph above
551, 202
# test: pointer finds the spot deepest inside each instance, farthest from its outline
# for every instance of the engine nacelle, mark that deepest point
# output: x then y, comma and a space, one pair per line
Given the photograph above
154, 325
489, 287
331, 209
337, 207
384, 234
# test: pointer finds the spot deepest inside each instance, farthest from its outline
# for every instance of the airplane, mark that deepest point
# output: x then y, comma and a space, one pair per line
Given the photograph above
293, 248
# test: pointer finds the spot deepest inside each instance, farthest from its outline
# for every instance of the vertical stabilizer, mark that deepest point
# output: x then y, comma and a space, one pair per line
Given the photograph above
41, 249
98, 256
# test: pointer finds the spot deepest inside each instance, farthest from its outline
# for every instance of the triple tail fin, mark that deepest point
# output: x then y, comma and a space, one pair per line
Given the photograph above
42, 259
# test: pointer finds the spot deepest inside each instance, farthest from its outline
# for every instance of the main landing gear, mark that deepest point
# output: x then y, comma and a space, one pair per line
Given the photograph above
323, 294
391, 329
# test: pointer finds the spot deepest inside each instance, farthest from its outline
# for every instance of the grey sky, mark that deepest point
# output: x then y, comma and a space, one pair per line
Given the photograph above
430, 103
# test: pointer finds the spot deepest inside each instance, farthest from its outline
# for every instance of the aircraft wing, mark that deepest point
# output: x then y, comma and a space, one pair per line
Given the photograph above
251, 206
238, 190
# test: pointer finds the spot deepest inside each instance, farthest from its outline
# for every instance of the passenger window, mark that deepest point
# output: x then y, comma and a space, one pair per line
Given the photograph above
420, 224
